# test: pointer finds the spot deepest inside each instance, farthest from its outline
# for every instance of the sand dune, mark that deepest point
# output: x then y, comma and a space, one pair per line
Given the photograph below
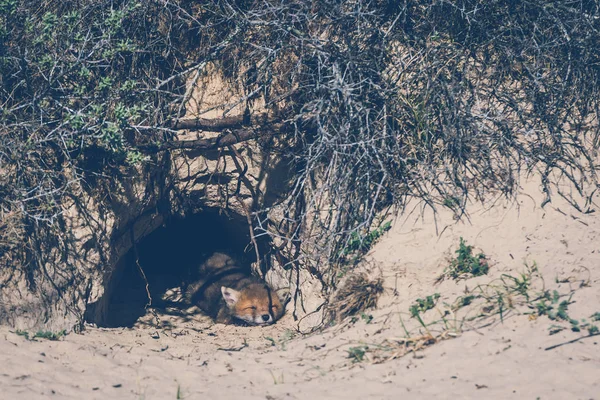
475, 356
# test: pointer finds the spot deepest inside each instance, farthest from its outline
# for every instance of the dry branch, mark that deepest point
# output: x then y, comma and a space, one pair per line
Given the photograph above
228, 138
440, 101
219, 124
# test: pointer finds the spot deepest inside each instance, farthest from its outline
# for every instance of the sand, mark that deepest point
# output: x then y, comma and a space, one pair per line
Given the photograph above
488, 357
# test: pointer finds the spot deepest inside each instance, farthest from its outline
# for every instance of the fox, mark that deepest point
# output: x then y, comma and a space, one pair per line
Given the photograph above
229, 294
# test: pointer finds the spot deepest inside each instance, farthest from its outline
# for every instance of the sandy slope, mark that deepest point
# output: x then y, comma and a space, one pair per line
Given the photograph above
490, 358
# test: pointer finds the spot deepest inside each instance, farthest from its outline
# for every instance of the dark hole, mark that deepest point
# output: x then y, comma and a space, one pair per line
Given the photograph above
169, 257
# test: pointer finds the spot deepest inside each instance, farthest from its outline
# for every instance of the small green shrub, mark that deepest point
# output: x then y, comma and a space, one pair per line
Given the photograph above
50, 335
422, 305
134, 157
451, 202
464, 301
368, 318
42, 334
550, 306
357, 354
25, 334
467, 265
363, 244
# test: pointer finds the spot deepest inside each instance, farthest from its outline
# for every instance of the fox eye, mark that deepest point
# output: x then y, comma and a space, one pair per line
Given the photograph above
251, 308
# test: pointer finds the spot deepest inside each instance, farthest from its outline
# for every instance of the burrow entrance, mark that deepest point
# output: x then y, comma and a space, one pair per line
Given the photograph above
169, 258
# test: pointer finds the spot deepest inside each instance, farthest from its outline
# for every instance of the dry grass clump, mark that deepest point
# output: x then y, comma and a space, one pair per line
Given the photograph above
357, 293
393, 348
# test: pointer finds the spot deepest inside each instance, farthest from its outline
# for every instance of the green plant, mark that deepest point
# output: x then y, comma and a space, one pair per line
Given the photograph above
423, 305
112, 137
20, 332
8, 6
549, 305
466, 265
463, 301
556, 310
363, 141
521, 283
363, 244
105, 83
134, 157
522, 293
451, 202
277, 379
283, 340
366, 317
357, 354
554, 329
50, 335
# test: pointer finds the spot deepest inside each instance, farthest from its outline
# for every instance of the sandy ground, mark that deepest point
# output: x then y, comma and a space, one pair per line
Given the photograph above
475, 356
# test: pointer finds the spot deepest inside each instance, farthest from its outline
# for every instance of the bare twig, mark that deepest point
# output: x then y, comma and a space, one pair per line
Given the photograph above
572, 341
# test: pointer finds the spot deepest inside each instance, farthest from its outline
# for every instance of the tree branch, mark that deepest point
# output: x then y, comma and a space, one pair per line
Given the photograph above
227, 138
218, 125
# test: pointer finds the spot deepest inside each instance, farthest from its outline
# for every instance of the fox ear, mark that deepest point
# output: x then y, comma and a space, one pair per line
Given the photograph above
231, 296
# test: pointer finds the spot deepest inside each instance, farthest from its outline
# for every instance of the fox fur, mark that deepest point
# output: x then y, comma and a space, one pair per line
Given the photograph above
229, 294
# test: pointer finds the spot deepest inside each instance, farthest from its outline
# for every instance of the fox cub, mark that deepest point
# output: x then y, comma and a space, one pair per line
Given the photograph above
229, 294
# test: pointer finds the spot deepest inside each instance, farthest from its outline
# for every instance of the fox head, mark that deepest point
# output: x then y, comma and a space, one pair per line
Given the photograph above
255, 304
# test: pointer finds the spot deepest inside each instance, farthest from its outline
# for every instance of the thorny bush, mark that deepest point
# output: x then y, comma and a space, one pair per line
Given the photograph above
374, 102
